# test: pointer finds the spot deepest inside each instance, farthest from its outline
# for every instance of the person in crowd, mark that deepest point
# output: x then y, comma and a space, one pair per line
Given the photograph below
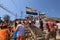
14, 30
1, 26
51, 29
26, 23
58, 24
41, 24
37, 23
30, 23
20, 30
4, 32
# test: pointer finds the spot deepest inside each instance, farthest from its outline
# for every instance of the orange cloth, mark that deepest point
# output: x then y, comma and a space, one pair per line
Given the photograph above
20, 38
3, 33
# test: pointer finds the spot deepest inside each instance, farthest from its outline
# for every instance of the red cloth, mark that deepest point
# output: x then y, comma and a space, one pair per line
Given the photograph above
50, 25
20, 38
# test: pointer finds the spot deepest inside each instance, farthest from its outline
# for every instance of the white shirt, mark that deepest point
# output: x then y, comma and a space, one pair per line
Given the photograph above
29, 21
58, 24
37, 23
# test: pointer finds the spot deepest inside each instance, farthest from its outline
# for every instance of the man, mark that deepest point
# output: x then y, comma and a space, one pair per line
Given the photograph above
30, 23
58, 24
41, 24
20, 30
37, 23
4, 32
51, 29
14, 30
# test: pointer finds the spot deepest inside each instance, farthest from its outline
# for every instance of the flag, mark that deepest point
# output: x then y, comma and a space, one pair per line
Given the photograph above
34, 11
31, 11
42, 13
28, 9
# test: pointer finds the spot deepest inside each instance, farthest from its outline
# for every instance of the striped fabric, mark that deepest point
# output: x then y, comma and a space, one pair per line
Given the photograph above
28, 9
31, 11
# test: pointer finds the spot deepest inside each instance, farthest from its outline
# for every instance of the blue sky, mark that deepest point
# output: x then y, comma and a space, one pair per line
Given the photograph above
15, 6
50, 7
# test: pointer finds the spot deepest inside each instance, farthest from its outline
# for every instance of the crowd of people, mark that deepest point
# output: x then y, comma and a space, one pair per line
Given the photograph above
52, 26
17, 31
19, 28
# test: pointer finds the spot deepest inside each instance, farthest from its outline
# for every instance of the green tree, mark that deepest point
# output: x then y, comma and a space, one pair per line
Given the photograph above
6, 18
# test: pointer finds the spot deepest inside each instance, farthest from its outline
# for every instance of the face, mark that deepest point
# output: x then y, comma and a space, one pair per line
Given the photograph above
21, 21
4, 24
17, 22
